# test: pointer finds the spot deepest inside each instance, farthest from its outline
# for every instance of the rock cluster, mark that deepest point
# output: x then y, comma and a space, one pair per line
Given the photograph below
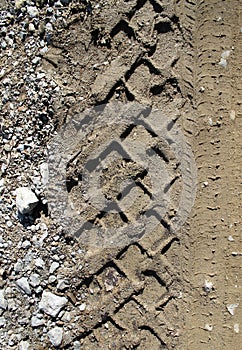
35, 309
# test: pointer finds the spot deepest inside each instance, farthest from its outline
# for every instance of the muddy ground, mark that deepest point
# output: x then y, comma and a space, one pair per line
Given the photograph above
170, 289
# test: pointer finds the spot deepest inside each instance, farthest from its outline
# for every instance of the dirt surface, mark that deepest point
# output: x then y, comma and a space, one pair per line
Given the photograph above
170, 289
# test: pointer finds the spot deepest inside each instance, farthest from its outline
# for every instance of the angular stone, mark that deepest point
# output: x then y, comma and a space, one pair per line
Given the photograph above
51, 304
54, 266
26, 200
55, 335
36, 321
23, 284
3, 301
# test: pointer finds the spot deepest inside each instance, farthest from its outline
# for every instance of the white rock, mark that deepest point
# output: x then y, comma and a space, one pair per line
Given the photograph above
55, 335
9, 223
225, 54
66, 317
44, 170
208, 327
19, 3
76, 345
82, 307
24, 345
39, 263
49, 27
231, 308
26, 200
62, 284
34, 280
23, 284
31, 27
42, 52
32, 11
36, 321
3, 301
223, 62
236, 328
210, 121
208, 286
54, 266
26, 244
2, 322
38, 289
35, 61
51, 304
52, 279
232, 114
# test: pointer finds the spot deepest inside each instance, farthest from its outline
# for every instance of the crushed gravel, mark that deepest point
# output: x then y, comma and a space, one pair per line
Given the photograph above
35, 259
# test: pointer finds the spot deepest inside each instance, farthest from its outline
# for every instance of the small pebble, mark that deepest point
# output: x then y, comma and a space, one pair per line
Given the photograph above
2, 322
37, 322
23, 284
208, 327
31, 27
236, 328
40, 263
55, 335
208, 286
231, 308
54, 266
82, 307
34, 280
3, 301
24, 345
32, 11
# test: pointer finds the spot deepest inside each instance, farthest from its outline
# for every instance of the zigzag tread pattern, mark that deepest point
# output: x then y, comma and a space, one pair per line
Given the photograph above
133, 291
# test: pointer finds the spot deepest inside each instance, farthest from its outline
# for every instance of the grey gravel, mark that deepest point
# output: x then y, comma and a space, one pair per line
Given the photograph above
29, 242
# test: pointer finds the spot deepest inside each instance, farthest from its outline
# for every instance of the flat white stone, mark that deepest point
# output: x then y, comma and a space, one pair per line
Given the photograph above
24, 345
3, 301
34, 280
39, 263
231, 308
23, 284
2, 321
236, 328
54, 266
55, 335
36, 321
26, 200
32, 11
51, 304
44, 171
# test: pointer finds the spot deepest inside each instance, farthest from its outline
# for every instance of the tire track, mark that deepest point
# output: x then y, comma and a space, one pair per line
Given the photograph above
208, 322
133, 54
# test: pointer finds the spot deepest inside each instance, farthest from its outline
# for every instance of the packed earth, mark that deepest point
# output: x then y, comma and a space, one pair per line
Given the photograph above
178, 287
